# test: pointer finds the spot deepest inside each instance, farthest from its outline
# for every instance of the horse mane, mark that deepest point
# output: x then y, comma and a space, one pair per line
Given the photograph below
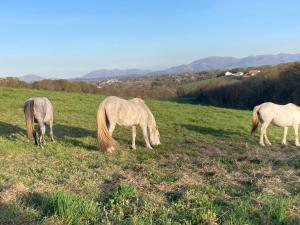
151, 120
151, 123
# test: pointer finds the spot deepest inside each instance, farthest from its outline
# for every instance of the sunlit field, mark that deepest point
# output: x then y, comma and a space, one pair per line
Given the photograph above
208, 169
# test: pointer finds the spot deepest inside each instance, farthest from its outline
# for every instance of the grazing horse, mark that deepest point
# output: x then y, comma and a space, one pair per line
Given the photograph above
40, 110
279, 115
116, 111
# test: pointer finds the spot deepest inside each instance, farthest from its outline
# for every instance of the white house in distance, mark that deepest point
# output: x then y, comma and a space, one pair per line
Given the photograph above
107, 82
253, 72
237, 74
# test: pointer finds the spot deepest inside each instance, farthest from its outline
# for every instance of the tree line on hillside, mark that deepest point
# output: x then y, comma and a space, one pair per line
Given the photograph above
158, 87
53, 85
279, 84
153, 89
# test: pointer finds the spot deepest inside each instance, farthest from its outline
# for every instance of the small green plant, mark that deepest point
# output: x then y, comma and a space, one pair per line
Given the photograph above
70, 208
121, 193
122, 203
295, 162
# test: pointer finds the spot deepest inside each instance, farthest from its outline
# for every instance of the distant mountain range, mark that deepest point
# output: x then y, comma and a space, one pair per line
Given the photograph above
30, 78
114, 73
210, 63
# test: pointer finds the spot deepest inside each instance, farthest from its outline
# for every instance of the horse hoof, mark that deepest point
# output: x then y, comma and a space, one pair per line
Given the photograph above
110, 149
133, 147
262, 144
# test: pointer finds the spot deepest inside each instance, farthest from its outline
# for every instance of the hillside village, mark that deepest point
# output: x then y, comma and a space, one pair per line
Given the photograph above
178, 78
107, 82
154, 86
250, 73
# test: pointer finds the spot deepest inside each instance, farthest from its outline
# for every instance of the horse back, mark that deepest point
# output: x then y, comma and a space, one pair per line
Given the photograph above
125, 112
280, 115
42, 108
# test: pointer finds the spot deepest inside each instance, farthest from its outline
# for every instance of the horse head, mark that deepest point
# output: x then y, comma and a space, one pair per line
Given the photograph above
154, 135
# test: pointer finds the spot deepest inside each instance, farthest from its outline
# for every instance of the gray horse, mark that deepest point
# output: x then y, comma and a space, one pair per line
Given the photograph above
40, 110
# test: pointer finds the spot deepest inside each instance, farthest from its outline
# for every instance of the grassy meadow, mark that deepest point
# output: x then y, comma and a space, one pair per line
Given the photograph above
208, 170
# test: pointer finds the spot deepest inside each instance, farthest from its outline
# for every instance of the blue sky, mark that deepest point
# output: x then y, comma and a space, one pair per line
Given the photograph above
70, 38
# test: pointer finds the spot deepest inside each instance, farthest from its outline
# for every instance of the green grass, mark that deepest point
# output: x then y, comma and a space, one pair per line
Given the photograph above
208, 170
68, 207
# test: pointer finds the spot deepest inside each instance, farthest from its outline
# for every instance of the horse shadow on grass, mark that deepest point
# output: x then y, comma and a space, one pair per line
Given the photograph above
64, 133
10, 131
11, 214
217, 132
71, 135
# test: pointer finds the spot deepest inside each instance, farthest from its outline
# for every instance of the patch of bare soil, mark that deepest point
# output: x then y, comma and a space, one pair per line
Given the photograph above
126, 177
12, 192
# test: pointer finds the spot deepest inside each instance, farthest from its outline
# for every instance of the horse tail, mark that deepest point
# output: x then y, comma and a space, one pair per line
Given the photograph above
255, 119
29, 118
105, 141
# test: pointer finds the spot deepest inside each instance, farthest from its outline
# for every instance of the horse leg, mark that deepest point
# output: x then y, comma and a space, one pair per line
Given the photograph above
36, 137
133, 137
111, 128
145, 134
296, 135
42, 132
36, 134
261, 139
265, 135
284, 135
51, 130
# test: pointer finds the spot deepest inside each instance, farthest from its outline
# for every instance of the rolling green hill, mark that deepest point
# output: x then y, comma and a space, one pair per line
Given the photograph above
208, 170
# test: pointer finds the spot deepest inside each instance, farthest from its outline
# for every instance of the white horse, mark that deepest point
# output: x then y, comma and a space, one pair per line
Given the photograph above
279, 115
116, 111
40, 110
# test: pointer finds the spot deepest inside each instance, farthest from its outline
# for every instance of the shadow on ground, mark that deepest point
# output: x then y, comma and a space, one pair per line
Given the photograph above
209, 130
62, 131
11, 214
11, 131
70, 135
